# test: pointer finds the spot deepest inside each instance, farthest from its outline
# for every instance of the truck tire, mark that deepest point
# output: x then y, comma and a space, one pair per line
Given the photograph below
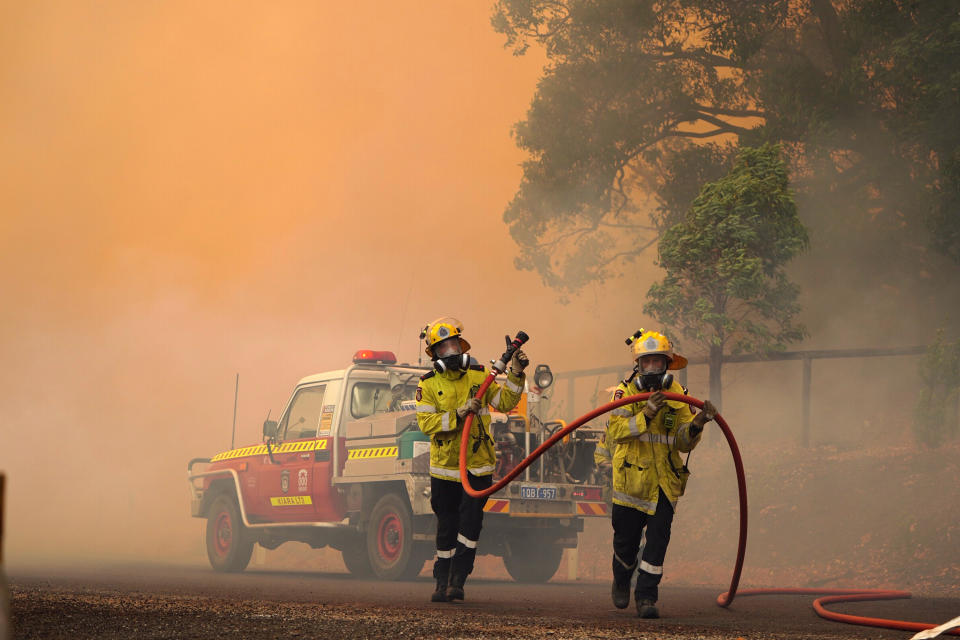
533, 563
420, 555
390, 537
229, 545
356, 559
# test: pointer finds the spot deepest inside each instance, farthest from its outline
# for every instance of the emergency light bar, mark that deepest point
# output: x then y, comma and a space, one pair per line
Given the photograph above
369, 356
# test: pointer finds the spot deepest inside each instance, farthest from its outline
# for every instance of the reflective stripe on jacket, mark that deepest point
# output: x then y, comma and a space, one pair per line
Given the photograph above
438, 397
646, 456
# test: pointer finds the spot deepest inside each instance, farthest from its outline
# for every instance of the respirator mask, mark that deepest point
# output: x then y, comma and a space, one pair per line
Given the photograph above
455, 362
654, 379
448, 356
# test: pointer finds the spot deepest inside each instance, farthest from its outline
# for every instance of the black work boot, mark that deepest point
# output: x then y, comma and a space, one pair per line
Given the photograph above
647, 608
455, 590
621, 595
440, 593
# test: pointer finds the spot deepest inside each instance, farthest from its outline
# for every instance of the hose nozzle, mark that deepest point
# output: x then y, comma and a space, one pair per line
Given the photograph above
512, 345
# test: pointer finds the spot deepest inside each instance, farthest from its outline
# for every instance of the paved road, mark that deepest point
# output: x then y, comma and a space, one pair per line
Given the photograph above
195, 602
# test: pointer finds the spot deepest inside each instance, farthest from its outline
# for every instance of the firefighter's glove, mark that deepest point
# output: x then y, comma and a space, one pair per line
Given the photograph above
518, 362
708, 413
470, 406
655, 402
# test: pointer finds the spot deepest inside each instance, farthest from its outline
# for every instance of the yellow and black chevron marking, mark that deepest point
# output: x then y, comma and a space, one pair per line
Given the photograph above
261, 449
369, 453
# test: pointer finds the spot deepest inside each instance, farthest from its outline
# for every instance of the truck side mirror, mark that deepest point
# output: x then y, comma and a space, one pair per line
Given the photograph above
269, 429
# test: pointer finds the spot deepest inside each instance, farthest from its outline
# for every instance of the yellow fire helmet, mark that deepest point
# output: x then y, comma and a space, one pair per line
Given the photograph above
647, 343
443, 329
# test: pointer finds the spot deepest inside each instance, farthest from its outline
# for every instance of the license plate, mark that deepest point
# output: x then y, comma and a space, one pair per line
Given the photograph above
528, 492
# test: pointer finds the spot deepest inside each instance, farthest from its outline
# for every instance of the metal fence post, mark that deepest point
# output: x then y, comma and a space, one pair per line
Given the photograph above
5, 624
805, 395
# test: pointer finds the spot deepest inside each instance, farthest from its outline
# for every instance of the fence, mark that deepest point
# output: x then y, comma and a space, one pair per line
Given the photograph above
806, 357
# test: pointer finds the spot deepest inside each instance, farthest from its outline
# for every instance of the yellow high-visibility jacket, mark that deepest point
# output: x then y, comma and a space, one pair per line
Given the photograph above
646, 457
438, 398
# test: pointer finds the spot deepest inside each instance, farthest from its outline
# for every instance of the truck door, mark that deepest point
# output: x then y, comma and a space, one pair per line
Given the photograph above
288, 491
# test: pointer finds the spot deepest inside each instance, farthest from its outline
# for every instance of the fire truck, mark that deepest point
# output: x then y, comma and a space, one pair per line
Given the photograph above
346, 466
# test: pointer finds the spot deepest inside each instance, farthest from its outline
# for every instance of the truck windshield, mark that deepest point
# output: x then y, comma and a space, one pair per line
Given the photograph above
368, 398
303, 418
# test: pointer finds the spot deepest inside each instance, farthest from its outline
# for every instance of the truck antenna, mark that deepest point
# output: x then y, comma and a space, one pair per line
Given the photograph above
236, 392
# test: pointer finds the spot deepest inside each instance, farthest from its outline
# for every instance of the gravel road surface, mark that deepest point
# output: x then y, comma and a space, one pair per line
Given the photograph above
195, 602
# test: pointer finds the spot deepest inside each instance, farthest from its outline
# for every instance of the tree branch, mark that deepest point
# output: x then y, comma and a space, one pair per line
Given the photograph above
695, 134
736, 113
730, 128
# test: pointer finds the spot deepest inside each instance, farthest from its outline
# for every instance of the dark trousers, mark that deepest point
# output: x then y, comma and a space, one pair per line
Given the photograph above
459, 520
629, 535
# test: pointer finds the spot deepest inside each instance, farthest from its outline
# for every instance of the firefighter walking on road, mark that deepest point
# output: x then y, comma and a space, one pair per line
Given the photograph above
648, 473
444, 399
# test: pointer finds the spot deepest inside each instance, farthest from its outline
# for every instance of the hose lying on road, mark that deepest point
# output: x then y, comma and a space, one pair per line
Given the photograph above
726, 598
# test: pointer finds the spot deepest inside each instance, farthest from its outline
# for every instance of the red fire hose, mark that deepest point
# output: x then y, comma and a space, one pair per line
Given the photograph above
726, 598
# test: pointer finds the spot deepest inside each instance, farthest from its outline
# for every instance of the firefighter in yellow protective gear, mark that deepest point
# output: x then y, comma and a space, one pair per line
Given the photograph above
648, 473
445, 397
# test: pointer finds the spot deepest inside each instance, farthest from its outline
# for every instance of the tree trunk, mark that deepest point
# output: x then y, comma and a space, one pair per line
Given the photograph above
833, 35
716, 388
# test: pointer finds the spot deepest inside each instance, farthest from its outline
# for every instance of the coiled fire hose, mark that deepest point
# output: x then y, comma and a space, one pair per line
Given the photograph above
726, 598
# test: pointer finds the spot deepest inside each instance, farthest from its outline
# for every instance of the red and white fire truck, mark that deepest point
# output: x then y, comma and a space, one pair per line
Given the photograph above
346, 466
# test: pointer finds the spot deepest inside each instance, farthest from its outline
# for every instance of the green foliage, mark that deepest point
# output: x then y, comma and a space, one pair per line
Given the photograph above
725, 284
643, 101
935, 419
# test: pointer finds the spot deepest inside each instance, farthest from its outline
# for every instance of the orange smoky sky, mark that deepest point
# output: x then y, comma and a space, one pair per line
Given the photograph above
194, 190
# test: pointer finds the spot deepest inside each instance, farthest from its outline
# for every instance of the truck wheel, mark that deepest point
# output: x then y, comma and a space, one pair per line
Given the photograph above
356, 559
390, 537
229, 546
421, 554
533, 563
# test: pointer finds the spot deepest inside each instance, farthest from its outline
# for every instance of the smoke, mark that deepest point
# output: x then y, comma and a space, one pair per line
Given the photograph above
193, 192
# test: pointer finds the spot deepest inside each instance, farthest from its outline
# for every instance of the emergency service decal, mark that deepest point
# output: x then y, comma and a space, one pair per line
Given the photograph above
285, 481
419, 394
369, 453
302, 479
290, 501
618, 394
261, 450
326, 419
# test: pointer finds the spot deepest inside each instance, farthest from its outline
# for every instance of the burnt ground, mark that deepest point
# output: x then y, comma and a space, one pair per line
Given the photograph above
195, 602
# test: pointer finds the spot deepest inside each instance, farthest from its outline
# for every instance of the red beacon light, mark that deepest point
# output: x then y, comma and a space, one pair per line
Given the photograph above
588, 493
369, 356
